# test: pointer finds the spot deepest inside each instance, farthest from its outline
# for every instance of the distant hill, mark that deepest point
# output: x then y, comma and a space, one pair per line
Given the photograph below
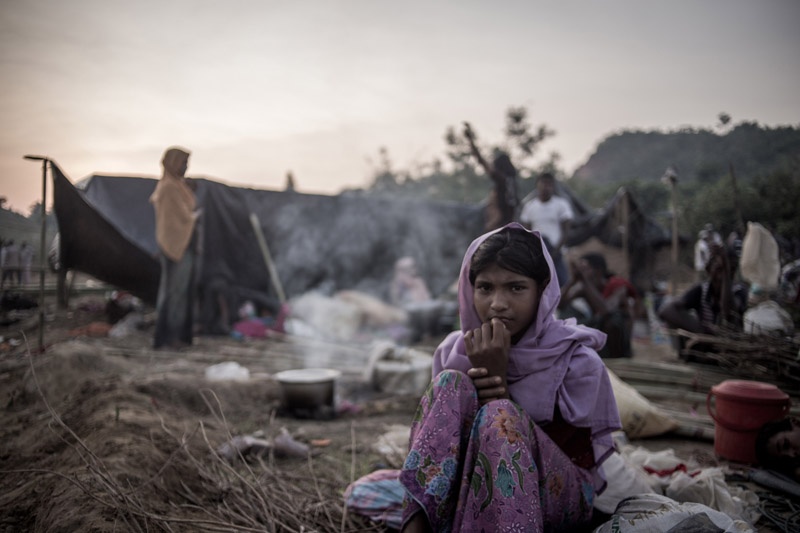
697, 155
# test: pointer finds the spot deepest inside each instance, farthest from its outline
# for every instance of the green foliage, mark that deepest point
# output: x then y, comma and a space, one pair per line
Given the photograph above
522, 142
698, 154
775, 199
652, 198
766, 163
462, 179
771, 200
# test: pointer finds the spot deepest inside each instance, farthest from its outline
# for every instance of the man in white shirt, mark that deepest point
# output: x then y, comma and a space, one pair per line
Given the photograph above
551, 215
701, 254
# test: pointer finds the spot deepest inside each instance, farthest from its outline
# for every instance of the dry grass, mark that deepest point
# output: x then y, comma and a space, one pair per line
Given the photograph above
770, 358
173, 479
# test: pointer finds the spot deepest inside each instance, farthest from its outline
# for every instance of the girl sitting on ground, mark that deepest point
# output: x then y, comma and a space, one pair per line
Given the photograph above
512, 432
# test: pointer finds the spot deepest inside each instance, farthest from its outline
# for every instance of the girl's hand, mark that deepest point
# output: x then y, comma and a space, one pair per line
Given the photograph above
487, 348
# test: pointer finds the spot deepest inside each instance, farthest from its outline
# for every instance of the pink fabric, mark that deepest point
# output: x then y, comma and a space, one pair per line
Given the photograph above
473, 468
554, 363
252, 327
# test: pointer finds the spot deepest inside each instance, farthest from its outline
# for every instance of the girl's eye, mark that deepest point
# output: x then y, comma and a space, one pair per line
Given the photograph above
483, 287
518, 288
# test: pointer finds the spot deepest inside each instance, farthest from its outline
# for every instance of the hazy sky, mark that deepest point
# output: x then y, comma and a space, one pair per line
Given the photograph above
257, 88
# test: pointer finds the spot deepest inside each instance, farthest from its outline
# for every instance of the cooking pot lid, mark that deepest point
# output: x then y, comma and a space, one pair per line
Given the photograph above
752, 390
307, 375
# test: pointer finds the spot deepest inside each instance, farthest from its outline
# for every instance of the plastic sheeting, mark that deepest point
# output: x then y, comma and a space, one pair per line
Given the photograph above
328, 243
760, 262
320, 242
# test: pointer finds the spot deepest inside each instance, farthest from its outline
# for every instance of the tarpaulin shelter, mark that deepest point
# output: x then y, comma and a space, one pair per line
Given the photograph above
604, 224
349, 241
317, 242
622, 226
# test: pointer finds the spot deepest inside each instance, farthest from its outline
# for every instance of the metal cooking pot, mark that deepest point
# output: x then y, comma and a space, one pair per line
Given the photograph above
308, 388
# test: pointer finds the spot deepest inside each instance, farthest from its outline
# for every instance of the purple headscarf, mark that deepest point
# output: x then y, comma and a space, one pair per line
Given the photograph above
554, 363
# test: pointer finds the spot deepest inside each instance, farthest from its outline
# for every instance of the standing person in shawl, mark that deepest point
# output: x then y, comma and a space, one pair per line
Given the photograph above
512, 432
176, 217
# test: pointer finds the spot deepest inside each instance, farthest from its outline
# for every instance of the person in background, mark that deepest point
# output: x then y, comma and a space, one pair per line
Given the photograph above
504, 199
3, 245
517, 421
734, 245
551, 216
710, 304
10, 264
713, 235
612, 303
706, 238
778, 446
26, 261
176, 218
407, 287
702, 252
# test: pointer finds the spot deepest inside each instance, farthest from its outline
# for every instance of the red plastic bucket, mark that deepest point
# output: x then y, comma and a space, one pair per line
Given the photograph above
742, 408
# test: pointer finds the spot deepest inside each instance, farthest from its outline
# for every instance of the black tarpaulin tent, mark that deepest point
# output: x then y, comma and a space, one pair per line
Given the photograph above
329, 243
605, 223
621, 225
349, 241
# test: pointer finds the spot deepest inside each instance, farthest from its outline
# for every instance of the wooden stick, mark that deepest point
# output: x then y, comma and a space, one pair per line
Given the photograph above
262, 243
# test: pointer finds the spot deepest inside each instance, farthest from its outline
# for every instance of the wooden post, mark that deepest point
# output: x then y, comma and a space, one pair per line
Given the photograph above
736, 206
626, 229
42, 250
670, 177
262, 243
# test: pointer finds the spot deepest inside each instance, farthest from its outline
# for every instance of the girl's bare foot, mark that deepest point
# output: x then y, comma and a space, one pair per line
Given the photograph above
417, 524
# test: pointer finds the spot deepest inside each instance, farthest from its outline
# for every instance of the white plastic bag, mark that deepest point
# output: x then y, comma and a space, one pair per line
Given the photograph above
760, 263
227, 371
710, 488
654, 513
768, 317
624, 479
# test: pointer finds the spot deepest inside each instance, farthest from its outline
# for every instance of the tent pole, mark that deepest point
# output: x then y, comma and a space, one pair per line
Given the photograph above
262, 243
626, 224
42, 251
674, 196
670, 178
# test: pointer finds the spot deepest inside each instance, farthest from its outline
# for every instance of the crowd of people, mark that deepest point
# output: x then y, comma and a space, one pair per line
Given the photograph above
517, 421
16, 261
515, 425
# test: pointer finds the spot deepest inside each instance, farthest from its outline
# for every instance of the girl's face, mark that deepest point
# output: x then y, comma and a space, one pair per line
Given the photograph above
785, 444
511, 297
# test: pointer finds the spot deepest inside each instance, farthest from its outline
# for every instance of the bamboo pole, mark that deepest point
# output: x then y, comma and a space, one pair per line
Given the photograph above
626, 224
262, 243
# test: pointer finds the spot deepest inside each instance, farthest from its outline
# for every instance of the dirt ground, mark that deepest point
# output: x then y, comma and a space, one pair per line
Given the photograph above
106, 434
102, 434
